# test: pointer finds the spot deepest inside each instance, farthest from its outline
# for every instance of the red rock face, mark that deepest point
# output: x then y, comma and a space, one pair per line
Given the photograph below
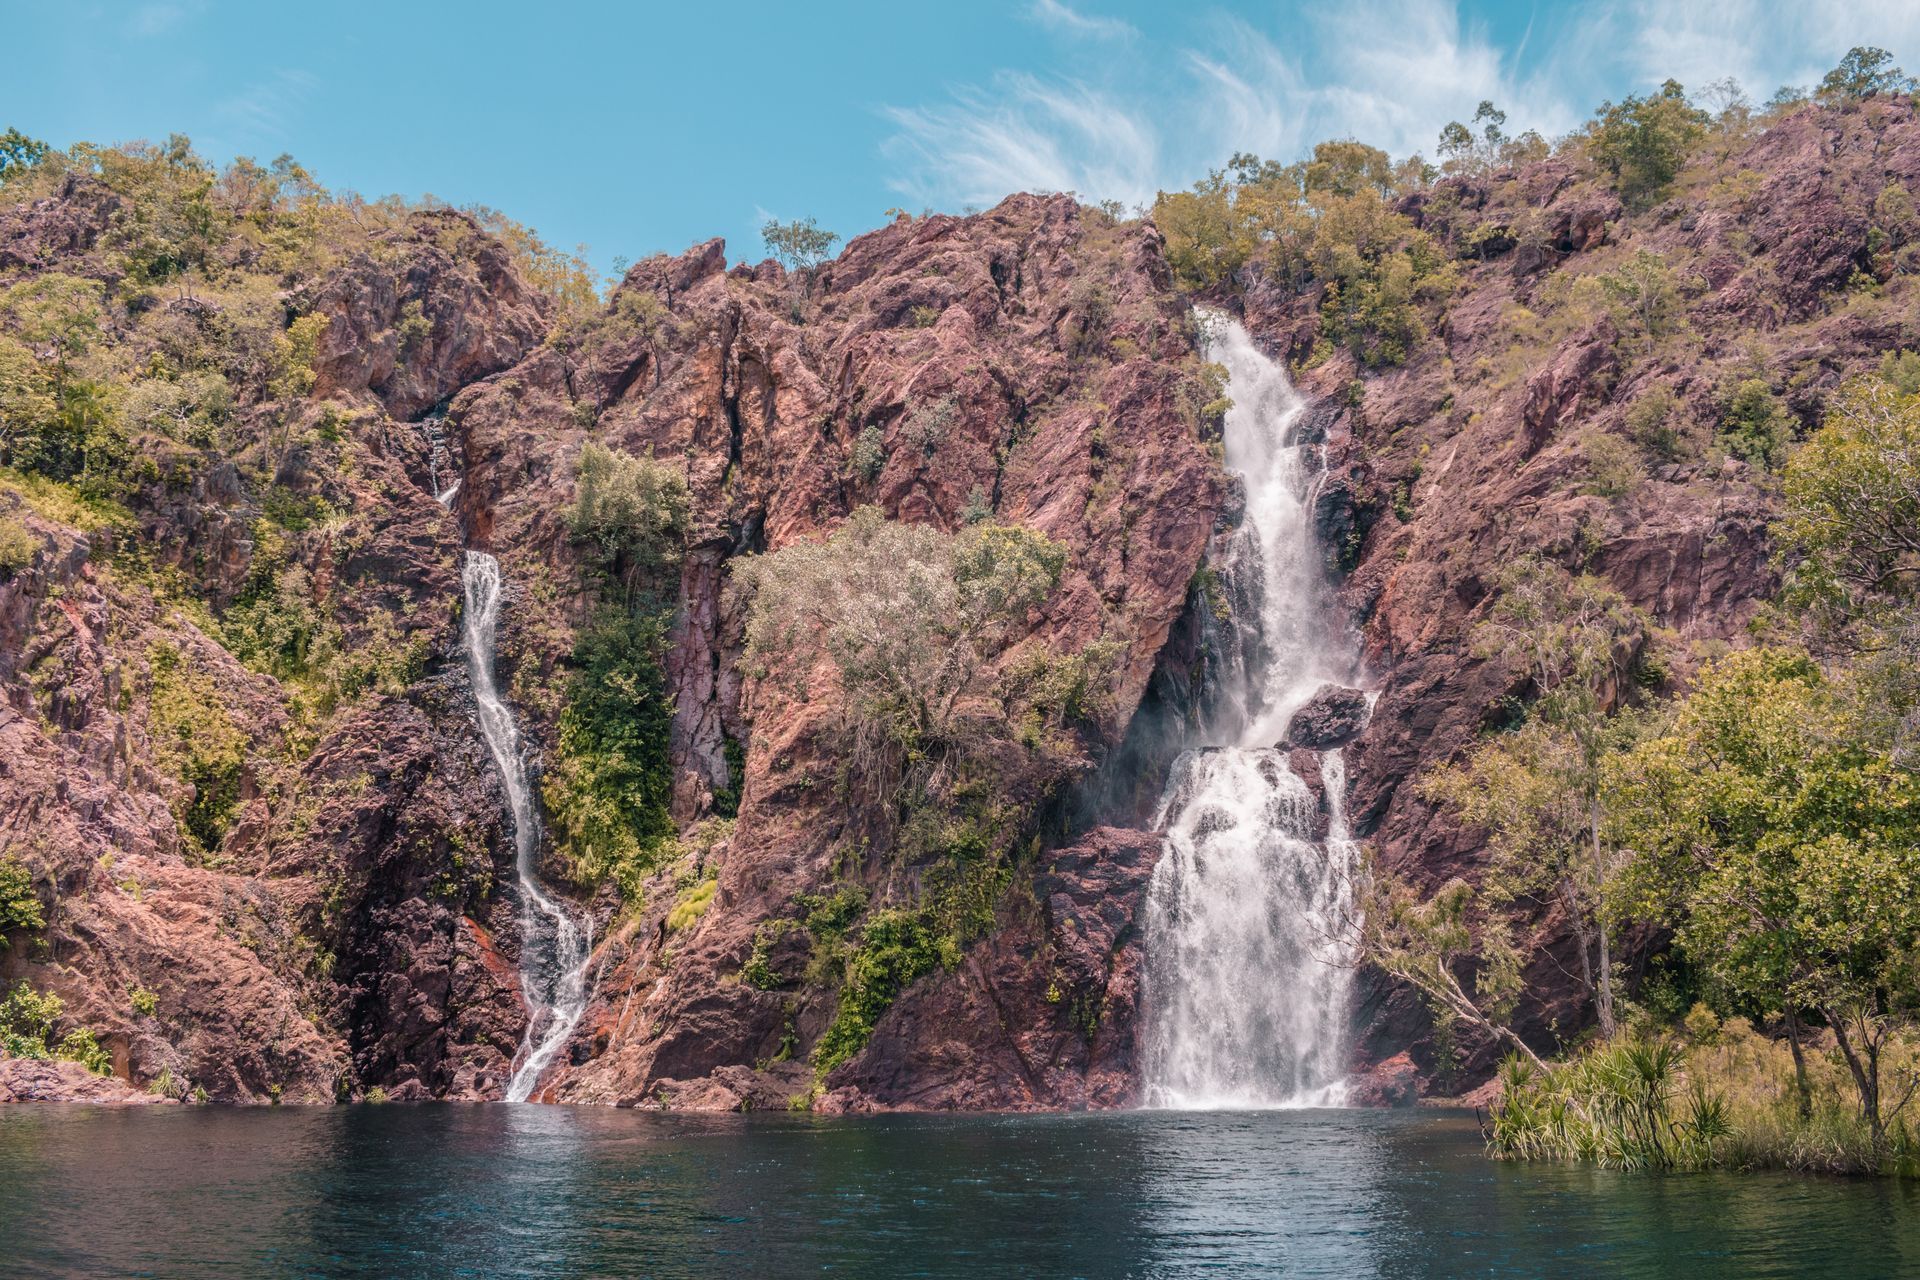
353, 928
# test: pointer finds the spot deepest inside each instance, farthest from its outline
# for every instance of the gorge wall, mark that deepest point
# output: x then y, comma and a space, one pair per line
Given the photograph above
263, 889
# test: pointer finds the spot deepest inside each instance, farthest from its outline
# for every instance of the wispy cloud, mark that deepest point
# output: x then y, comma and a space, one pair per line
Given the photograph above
1145, 115
261, 113
1063, 17
155, 19
1022, 134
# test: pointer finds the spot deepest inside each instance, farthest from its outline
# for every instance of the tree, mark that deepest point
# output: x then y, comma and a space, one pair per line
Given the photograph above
1757, 427
1538, 791
1851, 534
1863, 73
800, 246
1642, 142
910, 619
632, 512
1645, 296
1784, 850
18, 153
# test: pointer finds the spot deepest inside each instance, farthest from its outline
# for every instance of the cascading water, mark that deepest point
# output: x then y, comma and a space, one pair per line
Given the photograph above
1249, 985
554, 950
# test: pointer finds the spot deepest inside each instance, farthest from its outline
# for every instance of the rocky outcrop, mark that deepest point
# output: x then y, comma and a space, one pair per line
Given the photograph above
1044, 1016
1332, 717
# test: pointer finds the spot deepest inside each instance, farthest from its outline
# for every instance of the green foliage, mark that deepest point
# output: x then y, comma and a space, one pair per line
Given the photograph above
609, 789
1852, 517
925, 429
18, 153
910, 618
1652, 422
801, 246
870, 452
1643, 141
693, 904
631, 512
1612, 469
1757, 427
143, 1001
1325, 220
896, 948
1862, 74
1783, 848
196, 740
27, 1020
19, 904
18, 548
1644, 297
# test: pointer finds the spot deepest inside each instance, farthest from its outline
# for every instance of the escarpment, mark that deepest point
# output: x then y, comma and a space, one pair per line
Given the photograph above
238, 757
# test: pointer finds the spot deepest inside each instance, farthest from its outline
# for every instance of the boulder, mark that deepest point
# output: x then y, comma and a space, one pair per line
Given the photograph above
1334, 715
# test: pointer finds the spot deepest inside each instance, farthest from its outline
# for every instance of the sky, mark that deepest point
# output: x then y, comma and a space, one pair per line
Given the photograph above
637, 128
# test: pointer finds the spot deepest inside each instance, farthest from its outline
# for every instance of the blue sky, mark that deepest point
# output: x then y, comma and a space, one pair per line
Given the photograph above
641, 127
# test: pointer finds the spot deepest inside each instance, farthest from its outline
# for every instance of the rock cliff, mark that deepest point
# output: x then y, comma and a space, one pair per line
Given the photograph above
265, 889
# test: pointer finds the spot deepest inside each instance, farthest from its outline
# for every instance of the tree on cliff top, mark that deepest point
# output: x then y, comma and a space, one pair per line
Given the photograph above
1864, 72
1643, 141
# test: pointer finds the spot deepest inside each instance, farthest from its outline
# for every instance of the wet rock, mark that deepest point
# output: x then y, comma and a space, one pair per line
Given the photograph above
1393, 1083
1333, 716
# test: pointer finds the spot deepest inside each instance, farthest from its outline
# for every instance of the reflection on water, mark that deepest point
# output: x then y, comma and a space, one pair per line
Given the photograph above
551, 1191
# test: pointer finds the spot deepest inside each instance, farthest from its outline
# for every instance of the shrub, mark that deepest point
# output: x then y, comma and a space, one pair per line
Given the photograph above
692, 905
143, 1001
1612, 469
27, 1020
19, 904
18, 547
926, 427
1651, 423
870, 452
609, 789
1757, 427
897, 947
197, 741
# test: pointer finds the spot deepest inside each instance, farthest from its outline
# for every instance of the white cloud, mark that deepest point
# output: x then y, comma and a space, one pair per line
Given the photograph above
1150, 115
1023, 134
1062, 17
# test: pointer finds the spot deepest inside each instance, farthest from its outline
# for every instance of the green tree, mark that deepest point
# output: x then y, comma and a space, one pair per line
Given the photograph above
1784, 851
1863, 73
1757, 427
19, 904
801, 246
910, 619
1643, 141
1538, 790
632, 512
18, 153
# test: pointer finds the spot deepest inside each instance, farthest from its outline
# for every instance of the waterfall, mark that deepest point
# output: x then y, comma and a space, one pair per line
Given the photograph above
553, 949
1248, 981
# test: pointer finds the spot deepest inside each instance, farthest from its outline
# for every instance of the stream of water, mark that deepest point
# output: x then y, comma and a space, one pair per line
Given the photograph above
553, 948
1249, 980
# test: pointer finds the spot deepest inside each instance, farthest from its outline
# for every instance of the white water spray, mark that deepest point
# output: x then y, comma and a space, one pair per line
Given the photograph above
1249, 981
553, 949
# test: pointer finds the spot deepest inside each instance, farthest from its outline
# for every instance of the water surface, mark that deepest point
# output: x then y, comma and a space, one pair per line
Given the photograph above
549, 1191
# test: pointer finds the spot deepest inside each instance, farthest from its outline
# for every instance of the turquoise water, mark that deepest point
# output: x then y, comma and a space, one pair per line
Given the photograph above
549, 1191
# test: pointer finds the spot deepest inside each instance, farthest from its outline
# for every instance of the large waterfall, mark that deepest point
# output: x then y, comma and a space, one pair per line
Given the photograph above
553, 950
1249, 985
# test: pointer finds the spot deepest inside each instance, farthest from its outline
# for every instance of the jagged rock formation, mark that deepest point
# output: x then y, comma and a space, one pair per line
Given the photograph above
350, 928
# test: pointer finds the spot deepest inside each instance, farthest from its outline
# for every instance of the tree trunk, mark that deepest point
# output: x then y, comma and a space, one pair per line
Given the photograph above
1799, 1065
1603, 993
1866, 1077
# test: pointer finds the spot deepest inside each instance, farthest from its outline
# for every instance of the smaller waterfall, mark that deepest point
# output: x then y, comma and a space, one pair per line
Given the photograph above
554, 950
